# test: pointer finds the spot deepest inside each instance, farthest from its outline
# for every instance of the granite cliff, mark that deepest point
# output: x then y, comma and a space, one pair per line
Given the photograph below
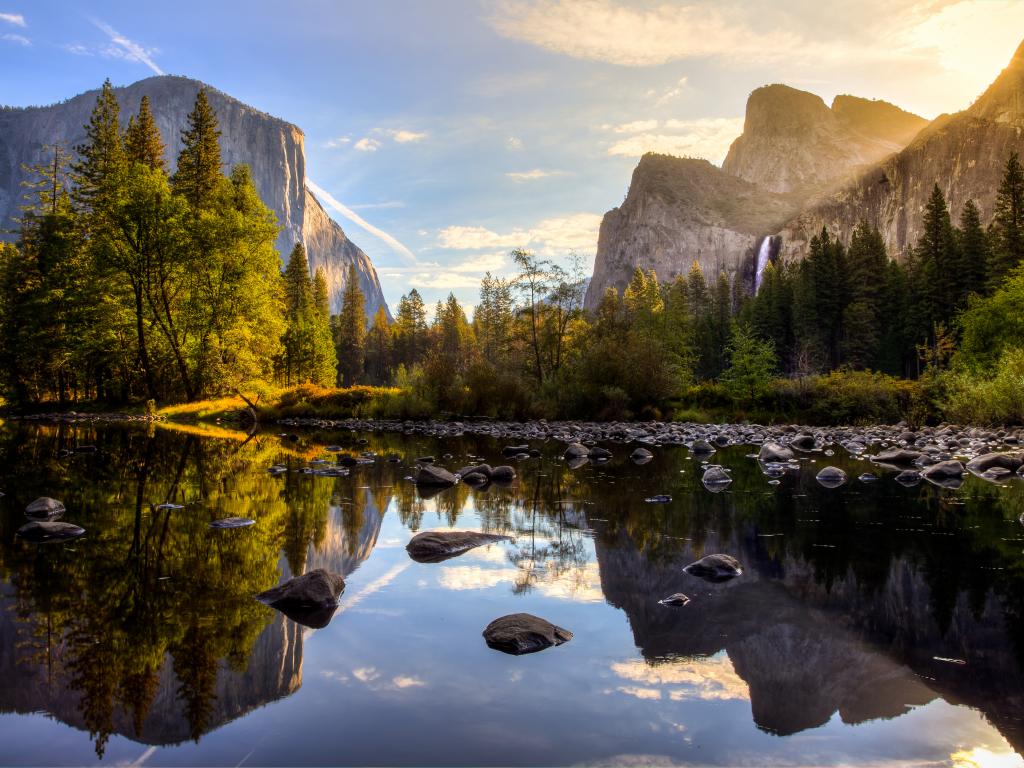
272, 147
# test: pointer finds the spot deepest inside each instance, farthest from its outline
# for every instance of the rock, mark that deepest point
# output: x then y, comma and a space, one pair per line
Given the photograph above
660, 499
576, 451
898, 457
232, 522
515, 450
702, 448
474, 469
715, 568
803, 442
985, 462
438, 477
436, 546
771, 452
944, 469
641, 456
600, 454
831, 477
676, 601
520, 633
45, 508
867, 477
715, 478
309, 599
49, 532
503, 475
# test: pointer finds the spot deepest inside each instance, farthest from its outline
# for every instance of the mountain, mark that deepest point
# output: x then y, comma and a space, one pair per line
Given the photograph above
793, 142
272, 147
793, 147
682, 210
964, 153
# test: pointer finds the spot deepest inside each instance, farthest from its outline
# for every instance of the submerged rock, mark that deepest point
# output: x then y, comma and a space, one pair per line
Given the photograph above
503, 475
432, 475
1009, 461
520, 633
831, 477
641, 456
599, 454
676, 601
45, 508
715, 568
436, 546
309, 599
661, 498
897, 458
702, 448
49, 532
576, 451
944, 470
232, 522
908, 477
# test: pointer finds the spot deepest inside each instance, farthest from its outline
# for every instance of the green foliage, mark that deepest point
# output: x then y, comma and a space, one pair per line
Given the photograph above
992, 325
752, 363
993, 398
1008, 223
308, 353
349, 331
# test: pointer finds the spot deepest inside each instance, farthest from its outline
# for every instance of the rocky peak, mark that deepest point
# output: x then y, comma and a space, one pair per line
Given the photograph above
793, 142
1003, 101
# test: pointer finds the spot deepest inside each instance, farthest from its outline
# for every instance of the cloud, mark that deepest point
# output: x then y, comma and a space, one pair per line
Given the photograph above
533, 175
355, 218
406, 137
19, 39
706, 137
707, 678
577, 231
407, 681
13, 18
671, 93
77, 49
636, 36
127, 49
514, 143
636, 126
367, 144
341, 141
385, 204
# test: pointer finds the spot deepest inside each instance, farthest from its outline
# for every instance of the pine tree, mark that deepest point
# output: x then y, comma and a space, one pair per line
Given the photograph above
298, 289
199, 164
378, 349
410, 330
1008, 224
974, 253
325, 357
863, 314
350, 331
98, 173
143, 142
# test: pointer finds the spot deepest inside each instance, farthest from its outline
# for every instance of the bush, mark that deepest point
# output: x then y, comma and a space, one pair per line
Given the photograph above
988, 400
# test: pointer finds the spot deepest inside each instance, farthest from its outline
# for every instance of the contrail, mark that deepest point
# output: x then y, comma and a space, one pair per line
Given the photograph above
134, 51
355, 218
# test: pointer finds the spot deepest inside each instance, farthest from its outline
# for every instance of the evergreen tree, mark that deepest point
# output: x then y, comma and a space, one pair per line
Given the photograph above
863, 314
1008, 223
142, 141
410, 334
325, 358
974, 253
752, 363
379, 349
350, 332
98, 172
199, 172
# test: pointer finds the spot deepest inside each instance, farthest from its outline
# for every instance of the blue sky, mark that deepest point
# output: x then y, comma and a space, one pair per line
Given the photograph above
459, 130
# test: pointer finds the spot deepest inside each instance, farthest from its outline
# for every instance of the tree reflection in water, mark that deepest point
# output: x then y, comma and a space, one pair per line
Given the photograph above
147, 626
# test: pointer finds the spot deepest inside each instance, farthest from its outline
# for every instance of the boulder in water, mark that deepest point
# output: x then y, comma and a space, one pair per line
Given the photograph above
773, 452
897, 458
715, 568
309, 599
232, 522
520, 633
678, 600
44, 508
716, 479
831, 477
702, 448
503, 475
576, 451
944, 469
436, 546
641, 456
985, 462
49, 532
438, 477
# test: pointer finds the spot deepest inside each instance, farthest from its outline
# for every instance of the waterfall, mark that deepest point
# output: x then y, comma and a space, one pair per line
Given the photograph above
763, 255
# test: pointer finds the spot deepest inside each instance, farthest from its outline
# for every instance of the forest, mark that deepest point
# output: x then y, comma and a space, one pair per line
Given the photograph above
133, 286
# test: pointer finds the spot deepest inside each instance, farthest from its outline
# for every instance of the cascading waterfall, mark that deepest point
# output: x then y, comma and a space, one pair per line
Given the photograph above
763, 255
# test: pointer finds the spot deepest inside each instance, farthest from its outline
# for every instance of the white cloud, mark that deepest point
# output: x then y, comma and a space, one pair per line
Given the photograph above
407, 681
341, 141
554, 236
77, 49
532, 175
637, 36
385, 204
19, 39
706, 137
406, 137
514, 143
355, 218
637, 126
127, 49
367, 144
13, 18
671, 93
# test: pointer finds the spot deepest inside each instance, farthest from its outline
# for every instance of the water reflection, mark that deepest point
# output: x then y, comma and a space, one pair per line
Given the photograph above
862, 602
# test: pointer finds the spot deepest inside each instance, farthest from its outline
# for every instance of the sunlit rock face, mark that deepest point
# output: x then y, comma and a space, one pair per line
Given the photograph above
273, 148
793, 142
964, 153
679, 211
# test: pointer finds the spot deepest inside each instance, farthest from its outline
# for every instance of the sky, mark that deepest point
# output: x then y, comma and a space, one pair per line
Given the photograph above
443, 134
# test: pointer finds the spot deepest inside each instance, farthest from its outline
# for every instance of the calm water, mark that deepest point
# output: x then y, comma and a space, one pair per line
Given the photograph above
874, 624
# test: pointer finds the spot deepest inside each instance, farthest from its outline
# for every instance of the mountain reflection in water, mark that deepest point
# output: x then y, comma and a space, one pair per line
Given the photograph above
865, 601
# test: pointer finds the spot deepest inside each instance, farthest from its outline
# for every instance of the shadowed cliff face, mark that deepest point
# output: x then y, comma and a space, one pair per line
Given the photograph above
273, 149
964, 153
